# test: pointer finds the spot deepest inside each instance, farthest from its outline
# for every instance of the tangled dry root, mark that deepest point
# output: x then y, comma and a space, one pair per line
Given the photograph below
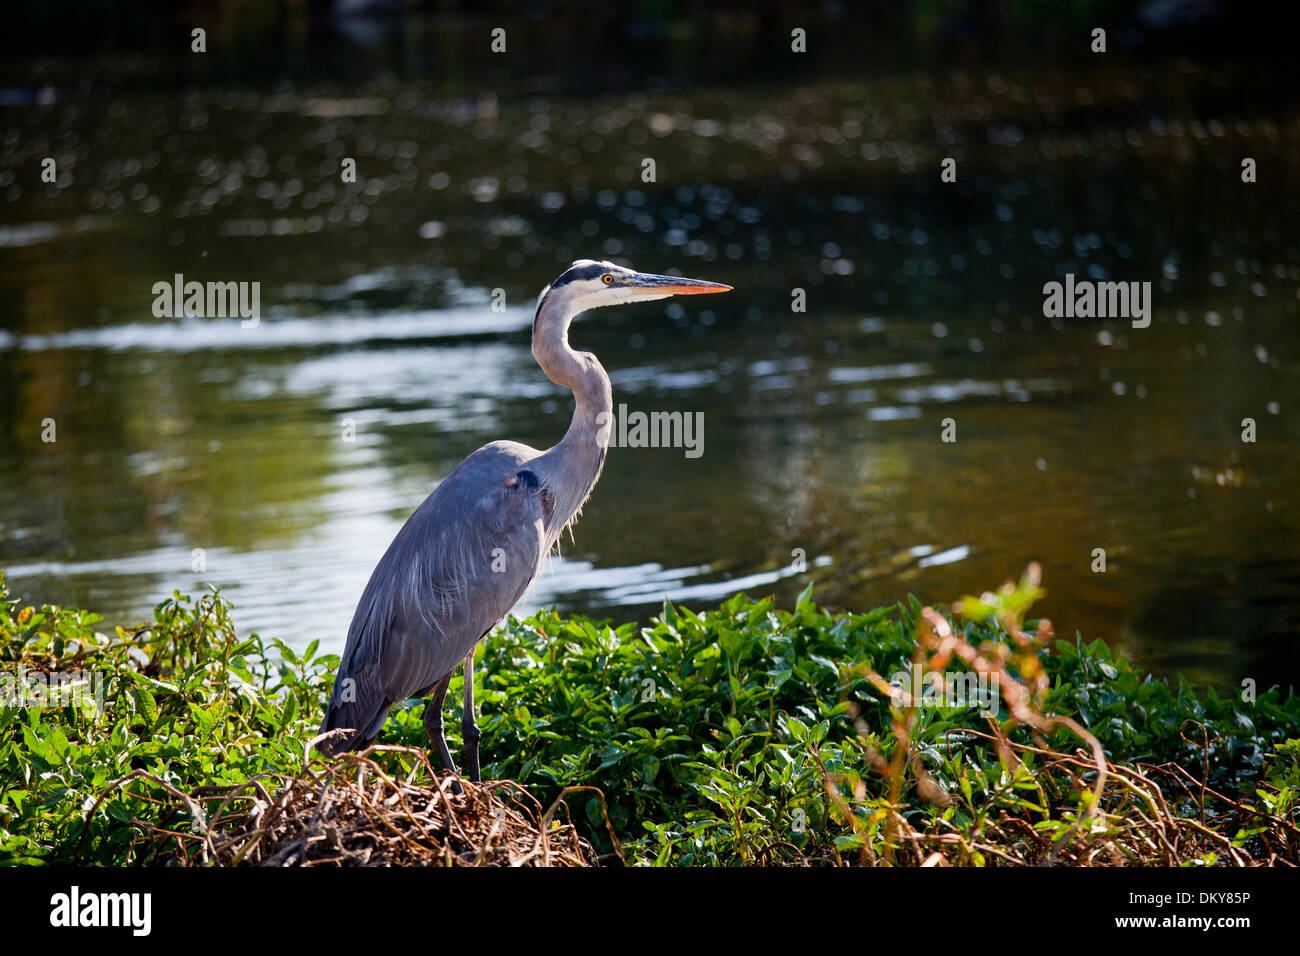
352, 812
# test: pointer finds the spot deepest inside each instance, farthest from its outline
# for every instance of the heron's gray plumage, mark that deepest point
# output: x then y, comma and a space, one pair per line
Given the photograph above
467, 555
456, 568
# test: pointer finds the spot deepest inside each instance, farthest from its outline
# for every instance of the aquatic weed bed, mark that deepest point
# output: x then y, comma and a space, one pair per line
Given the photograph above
742, 735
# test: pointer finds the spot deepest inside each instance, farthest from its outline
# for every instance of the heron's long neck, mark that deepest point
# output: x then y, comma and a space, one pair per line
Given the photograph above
571, 468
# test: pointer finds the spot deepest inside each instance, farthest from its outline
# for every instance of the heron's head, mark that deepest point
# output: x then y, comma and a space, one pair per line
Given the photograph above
588, 284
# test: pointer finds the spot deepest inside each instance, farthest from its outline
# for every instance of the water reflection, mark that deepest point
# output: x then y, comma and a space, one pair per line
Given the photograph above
290, 453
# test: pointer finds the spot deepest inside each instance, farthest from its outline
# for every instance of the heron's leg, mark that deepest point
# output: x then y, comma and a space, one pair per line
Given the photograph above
433, 725
468, 726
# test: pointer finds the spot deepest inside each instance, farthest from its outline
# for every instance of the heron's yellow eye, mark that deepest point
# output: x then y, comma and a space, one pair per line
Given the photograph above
607, 278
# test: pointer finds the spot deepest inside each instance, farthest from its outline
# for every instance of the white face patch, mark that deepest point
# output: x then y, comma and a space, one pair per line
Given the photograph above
594, 294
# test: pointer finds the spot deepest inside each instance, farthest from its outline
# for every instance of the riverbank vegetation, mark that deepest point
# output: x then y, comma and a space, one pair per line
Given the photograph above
742, 735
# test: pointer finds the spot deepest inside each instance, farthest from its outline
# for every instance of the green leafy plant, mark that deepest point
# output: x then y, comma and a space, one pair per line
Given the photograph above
741, 735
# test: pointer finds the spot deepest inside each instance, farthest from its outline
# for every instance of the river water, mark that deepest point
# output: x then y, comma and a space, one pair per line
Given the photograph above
394, 340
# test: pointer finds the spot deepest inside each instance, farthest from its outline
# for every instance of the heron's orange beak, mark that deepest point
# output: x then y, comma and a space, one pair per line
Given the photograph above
674, 285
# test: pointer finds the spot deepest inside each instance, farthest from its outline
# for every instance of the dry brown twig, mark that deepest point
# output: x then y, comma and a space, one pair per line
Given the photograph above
1125, 818
353, 812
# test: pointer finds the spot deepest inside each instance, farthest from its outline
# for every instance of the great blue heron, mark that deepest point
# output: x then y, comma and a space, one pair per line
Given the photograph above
468, 553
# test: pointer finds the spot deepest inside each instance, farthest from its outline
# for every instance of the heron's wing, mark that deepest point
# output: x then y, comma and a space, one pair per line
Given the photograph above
456, 568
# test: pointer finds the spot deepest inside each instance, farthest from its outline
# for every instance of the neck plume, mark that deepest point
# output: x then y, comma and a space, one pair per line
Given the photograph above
571, 468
